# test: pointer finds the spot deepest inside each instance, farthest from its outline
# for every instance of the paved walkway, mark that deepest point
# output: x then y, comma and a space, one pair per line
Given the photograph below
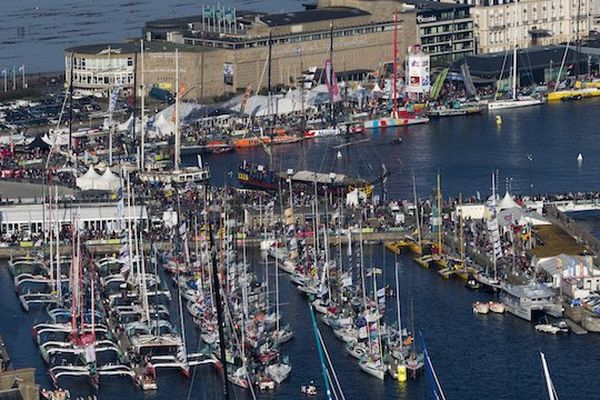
14, 190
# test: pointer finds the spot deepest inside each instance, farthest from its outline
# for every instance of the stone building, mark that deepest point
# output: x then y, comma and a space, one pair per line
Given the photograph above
500, 24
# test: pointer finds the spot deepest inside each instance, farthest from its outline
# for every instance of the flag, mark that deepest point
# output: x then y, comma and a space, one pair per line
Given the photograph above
347, 281
381, 292
332, 85
114, 97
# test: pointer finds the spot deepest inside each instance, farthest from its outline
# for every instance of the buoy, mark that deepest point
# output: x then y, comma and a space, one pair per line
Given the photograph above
402, 373
579, 158
498, 120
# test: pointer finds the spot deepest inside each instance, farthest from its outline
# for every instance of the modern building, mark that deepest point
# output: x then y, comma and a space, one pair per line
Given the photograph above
500, 24
445, 30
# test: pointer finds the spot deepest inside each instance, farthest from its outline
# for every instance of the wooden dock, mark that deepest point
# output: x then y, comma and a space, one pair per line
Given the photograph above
575, 328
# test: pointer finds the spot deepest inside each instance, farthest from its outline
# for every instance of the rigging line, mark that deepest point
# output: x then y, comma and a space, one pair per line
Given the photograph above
195, 370
336, 380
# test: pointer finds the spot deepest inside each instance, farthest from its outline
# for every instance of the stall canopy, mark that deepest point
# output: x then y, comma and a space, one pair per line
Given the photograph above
91, 180
38, 144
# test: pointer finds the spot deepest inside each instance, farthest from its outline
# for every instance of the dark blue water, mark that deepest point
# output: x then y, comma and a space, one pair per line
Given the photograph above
36, 32
465, 150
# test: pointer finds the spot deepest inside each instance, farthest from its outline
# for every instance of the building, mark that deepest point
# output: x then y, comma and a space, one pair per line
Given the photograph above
229, 52
19, 384
445, 30
500, 24
30, 219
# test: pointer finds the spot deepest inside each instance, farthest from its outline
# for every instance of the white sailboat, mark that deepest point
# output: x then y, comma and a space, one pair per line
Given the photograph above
516, 101
179, 174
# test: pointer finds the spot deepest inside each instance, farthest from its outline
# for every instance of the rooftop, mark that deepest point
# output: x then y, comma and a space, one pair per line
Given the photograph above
134, 47
425, 5
320, 14
528, 59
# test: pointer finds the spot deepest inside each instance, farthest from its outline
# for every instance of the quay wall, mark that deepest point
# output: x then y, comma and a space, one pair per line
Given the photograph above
112, 247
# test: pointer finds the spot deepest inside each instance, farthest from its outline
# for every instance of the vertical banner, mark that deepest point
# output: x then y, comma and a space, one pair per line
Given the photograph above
228, 74
419, 80
332, 85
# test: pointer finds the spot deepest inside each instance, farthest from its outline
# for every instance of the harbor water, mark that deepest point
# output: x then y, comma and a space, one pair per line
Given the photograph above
493, 356
36, 32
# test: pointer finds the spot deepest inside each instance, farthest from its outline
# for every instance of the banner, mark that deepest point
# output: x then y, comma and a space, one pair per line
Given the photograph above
332, 85
419, 80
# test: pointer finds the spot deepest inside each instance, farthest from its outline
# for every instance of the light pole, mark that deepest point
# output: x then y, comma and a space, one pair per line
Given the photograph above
14, 78
5, 76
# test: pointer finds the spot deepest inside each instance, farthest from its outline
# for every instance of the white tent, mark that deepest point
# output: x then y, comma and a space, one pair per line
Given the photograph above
126, 126
108, 181
507, 202
89, 180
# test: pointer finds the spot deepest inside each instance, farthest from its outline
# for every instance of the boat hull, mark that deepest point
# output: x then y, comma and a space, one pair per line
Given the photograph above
393, 122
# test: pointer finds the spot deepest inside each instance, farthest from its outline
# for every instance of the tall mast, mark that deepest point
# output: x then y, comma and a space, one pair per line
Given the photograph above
110, 113
417, 214
219, 304
71, 104
331, 113
462, 242
395, 67
398, 298
143, 112
439, 216
177, 160
514, 60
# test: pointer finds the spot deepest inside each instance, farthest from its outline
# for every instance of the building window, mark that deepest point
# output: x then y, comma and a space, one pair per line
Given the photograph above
130, 61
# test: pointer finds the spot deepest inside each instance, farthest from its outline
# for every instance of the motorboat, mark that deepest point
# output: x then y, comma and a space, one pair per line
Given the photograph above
481, 307
279, 372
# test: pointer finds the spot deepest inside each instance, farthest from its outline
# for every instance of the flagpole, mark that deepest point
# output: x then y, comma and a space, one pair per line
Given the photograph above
110, 121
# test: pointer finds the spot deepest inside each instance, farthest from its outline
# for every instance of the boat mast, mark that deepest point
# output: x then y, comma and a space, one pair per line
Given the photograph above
396, 268
395, 67
219, 304
439, 216
514, 60
320, 351
462, 243
331, 111
417, 214
57, 253
143, 112
177, 159
549, 384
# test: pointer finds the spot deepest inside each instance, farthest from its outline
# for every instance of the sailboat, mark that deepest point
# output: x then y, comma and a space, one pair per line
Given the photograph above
395, 119
177, 174
516, 101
